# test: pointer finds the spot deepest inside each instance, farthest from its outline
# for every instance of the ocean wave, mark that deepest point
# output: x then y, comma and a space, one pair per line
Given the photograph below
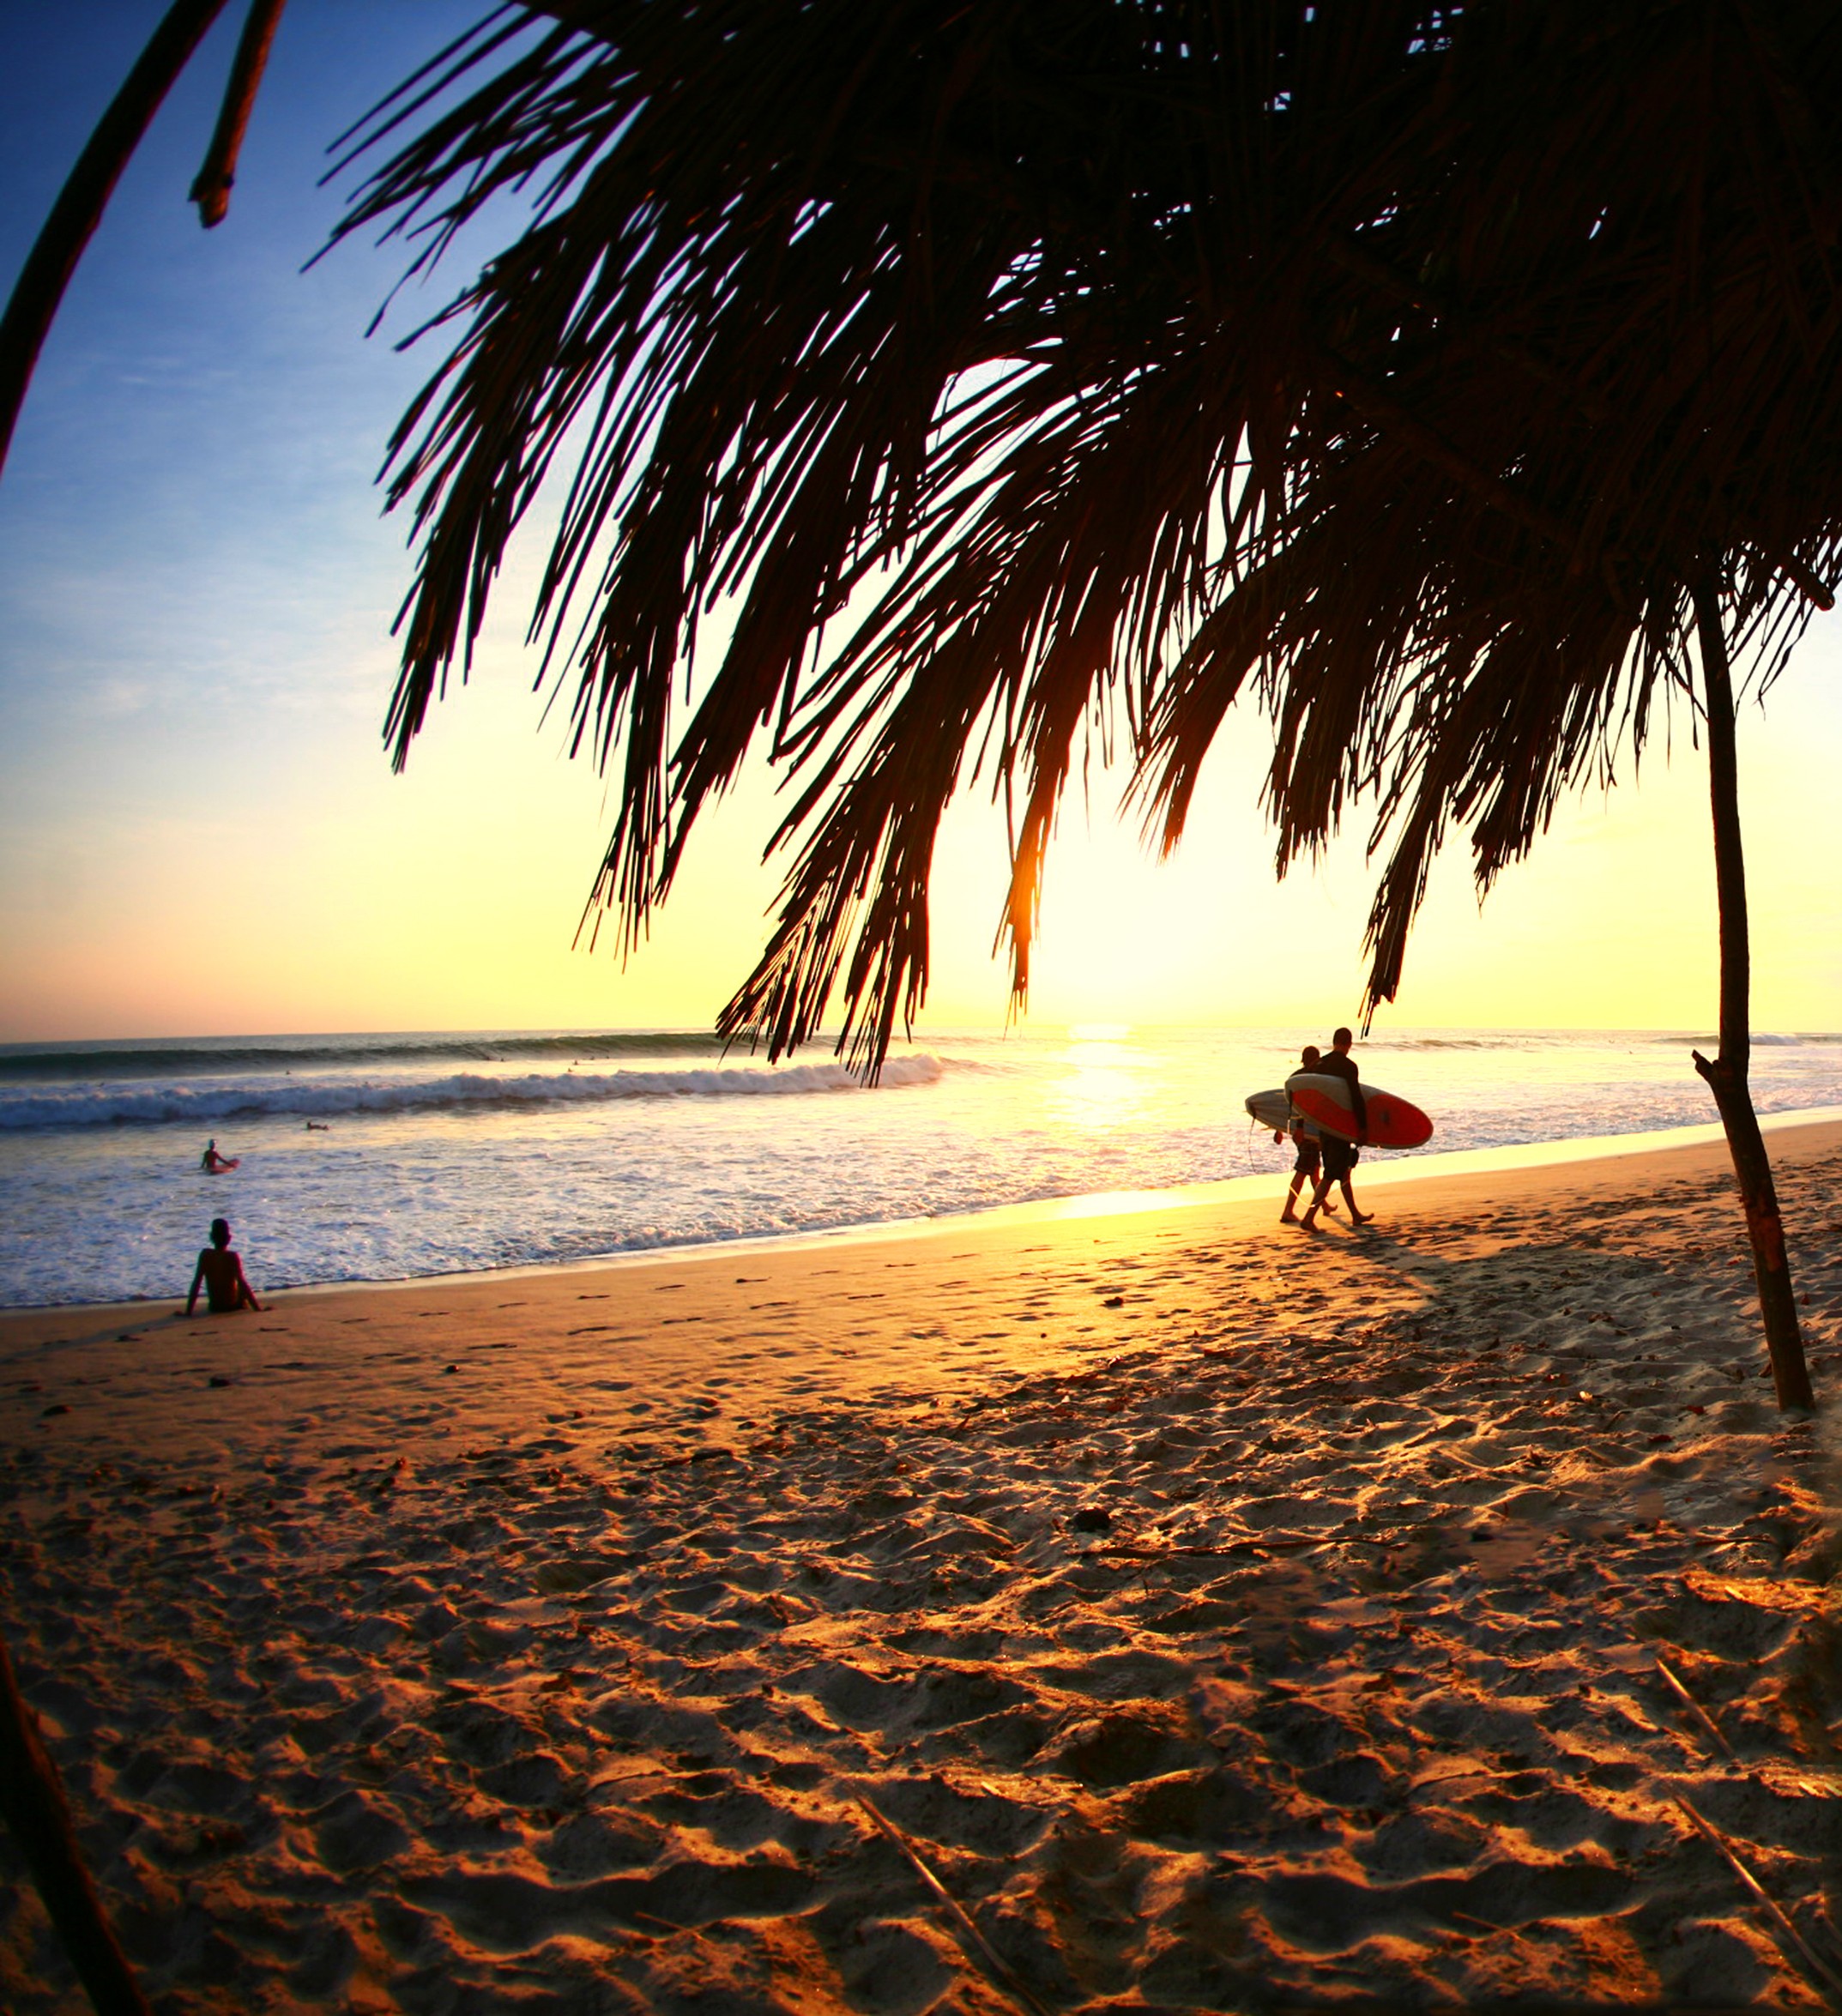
1567, 1040
255, 1053
1517, 1042
1761, 1040
1446, 1042
154, 1106
1514, 1041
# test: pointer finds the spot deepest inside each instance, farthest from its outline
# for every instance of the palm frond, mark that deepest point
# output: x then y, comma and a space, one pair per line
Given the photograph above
1016, 367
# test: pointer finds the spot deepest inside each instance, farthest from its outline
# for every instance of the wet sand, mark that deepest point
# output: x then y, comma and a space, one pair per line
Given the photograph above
1229, 1615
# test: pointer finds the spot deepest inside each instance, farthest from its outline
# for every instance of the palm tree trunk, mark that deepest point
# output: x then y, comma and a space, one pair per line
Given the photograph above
31, 1802
1726, 1073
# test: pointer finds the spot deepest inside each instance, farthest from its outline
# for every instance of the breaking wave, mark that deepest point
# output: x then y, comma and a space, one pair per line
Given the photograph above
1565, 1039
155, 1105
21, 1061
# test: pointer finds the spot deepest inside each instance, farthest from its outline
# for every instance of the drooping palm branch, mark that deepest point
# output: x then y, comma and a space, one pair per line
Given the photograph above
907, 329
1404, 362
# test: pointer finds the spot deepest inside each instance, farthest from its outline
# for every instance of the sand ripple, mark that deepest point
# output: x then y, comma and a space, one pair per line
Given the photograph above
1293, 1630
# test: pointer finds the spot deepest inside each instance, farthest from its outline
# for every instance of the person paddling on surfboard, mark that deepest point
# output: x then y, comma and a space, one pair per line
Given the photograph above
1340, 1156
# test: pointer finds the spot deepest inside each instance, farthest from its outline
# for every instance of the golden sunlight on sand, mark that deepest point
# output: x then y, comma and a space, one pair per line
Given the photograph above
1217, 1611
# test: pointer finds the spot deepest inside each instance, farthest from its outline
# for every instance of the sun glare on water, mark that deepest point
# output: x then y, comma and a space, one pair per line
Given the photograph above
1104, 1085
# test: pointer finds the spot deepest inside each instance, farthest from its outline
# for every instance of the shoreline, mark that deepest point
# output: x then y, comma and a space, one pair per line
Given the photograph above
1231, 1614
1509, 1159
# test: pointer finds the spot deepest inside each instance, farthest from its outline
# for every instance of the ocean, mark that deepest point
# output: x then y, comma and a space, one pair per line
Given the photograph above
389, 1157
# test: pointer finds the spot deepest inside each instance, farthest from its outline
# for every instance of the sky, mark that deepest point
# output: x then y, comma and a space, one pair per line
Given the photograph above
200, 833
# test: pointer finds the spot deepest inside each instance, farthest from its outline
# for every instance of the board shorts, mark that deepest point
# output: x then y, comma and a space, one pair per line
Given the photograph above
1306, 1163
1340, 1158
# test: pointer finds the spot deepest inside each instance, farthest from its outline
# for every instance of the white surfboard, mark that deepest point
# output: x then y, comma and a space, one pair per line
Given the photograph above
1270, 1109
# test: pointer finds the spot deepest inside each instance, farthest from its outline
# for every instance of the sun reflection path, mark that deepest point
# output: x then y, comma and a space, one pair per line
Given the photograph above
1106, 1083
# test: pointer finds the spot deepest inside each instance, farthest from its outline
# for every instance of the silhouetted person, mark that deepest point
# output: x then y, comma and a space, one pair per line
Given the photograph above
1306, 1139
1341, 1065
1340, 1156
211, 1161
220, 1271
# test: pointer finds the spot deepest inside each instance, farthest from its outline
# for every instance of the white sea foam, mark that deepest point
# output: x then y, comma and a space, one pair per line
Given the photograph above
371, 1158
253, 1099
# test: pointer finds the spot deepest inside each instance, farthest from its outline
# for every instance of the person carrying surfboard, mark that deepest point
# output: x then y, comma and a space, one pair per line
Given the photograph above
1341, 1065
1340, 1156
1306, 1137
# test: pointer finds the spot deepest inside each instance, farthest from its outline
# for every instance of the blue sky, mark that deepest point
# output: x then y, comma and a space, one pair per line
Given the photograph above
198, 830
196, 581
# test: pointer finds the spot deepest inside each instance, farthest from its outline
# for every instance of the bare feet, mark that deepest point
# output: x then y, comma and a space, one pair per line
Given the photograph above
1288, 1217
1306, 1223
1361, 1217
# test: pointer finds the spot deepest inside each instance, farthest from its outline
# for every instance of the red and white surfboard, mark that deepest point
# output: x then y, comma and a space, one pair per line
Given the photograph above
1393, 1122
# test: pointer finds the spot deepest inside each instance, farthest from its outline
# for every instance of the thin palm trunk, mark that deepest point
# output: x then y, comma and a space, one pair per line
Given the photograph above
1726, 1073
31, 1802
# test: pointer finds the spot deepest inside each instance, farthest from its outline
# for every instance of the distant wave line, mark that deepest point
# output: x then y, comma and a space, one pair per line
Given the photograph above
164, 1104
97, 1061
1592, 1038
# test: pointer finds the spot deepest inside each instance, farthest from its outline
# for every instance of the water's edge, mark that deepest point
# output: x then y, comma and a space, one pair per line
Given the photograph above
1105, 1204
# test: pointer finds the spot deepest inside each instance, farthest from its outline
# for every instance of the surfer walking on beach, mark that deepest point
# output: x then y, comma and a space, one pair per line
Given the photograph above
1341, 1065
220, 1270
1340, 1156
1308, 1139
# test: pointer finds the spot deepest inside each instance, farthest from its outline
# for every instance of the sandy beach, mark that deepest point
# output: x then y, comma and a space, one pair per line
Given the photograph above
1229, 1616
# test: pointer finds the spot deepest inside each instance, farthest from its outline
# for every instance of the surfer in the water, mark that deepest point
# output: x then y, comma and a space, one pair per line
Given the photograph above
1308, 1139
1339, 1157
220, 1270
211, 1161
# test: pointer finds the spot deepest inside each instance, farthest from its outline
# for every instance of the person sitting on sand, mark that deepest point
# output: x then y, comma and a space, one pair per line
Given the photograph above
211, 1161
1340, 1156
220, 1270
1306, 1139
